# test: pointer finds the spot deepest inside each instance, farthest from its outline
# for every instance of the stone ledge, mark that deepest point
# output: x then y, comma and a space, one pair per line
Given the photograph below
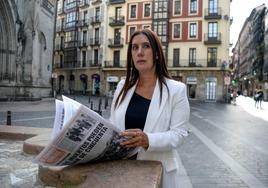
20, 132
110, 174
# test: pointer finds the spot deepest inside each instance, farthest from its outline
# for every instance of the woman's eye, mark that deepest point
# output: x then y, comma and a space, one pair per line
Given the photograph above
134, 47
146, 46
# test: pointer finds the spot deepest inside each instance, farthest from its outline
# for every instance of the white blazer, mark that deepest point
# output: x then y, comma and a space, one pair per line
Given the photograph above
166, 124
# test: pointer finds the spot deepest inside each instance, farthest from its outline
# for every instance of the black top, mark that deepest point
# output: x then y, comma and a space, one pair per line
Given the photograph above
137, 112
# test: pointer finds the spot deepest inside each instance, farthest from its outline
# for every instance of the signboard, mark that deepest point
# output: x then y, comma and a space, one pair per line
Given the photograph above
227, 80
112, 79
191, 80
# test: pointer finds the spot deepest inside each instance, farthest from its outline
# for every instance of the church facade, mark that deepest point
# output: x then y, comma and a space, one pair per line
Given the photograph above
26, 43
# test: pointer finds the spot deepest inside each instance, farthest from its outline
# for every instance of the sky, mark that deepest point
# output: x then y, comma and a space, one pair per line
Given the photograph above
240, 10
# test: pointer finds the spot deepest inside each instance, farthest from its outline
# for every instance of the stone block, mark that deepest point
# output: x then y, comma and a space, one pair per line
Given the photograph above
109, 174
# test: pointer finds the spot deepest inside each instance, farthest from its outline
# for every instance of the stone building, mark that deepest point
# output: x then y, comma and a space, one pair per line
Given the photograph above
26, 48
251, 67
194, 34
79, 46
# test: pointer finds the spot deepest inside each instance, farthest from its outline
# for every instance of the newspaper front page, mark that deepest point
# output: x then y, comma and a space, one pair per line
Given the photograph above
85, 137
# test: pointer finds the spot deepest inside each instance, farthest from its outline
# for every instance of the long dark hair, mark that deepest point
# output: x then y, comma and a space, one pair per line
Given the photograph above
158, 60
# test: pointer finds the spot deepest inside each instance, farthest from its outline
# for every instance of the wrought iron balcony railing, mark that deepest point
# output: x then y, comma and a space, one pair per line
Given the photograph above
115, 42
115, 64
95, 41
212, 38
84, 4
113, 2
95, 20
117, 21
213, 13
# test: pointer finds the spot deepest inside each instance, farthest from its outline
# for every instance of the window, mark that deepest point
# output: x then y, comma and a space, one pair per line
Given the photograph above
118, 13
147, 10
177, 31
116, 58
70, 36
193, 6
84, 58
97, 35
131, 30
193, 30
84, 37
117, 36
212, 57
70, 4
160, 28
161, 9
85, 15
176, 57
192, 56
96, 56
133, 9
71, 19
212, 6
212, 29
177, 7
97, 14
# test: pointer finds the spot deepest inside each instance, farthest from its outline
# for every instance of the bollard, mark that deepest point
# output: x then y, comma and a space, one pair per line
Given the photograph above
9, 118
106, 102
88, 98
91, 105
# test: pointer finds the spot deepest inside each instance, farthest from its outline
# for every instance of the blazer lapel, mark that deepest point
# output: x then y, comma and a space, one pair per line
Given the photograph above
155, 107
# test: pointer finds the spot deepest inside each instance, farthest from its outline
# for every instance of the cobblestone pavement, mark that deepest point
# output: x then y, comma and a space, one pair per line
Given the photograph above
227, 146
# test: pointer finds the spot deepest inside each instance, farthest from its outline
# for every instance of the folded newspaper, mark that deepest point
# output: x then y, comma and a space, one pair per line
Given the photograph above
81, 135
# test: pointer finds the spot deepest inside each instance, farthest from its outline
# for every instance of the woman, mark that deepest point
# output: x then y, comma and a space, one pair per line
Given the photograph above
152, 109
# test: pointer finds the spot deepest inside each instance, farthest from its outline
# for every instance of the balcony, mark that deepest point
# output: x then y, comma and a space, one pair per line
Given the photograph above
59, 47
95, 42
96, 2
59, 28
95, 20
115, 43
213, 13
213, 38
83, 23
117, 21
113, 64
67, 64
114, 2
84, 4
71, 44
94, 63
195, 63
82, 43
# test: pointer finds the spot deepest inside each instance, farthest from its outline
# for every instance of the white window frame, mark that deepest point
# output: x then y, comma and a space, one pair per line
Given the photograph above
189, 30
189, 7
135, 26
143, 13
129, 13
173, 27
174, 9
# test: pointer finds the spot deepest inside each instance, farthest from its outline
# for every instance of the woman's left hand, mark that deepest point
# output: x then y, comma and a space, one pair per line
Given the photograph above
136, 138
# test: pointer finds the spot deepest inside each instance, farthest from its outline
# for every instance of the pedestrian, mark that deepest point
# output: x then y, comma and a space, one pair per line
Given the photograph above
150, 108
258, 97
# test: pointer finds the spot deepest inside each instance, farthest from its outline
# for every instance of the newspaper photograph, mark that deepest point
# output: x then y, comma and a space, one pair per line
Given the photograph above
85, 137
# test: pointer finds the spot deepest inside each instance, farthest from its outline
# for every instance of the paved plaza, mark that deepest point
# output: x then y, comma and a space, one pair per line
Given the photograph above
227, 146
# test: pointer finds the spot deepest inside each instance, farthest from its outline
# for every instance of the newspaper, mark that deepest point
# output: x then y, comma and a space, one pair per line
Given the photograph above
81, 135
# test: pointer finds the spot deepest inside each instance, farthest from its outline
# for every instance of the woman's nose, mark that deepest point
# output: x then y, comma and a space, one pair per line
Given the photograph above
140, 51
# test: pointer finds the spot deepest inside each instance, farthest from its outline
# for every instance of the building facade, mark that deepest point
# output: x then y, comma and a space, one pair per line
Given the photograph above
26, 49
251, 66
194, 34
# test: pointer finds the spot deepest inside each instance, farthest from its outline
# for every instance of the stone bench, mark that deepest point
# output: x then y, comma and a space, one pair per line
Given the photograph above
117, 174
